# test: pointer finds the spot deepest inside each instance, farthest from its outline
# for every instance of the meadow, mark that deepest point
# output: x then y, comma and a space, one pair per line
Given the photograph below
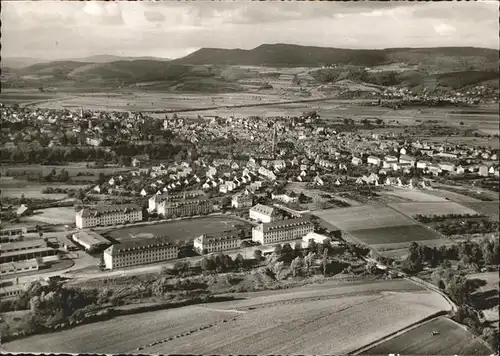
453, 339
413, 195
316, 319
395, 235
15, 188
181, 230
487, 208
60, 215
366, 216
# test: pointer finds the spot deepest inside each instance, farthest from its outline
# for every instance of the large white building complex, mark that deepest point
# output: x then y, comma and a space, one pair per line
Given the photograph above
282, 230
104, 215
138, 252
263, 213
207, 244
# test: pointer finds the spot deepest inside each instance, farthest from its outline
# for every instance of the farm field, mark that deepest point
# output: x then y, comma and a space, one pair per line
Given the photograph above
334, 319
452, 340
395, 235
414, 195
487, 208
60, 215
15, 188
72, 168
182, 230
456, 197
366, 216
434, 208
491, 279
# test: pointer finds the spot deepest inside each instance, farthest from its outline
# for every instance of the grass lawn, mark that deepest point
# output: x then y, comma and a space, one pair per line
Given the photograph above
366, 216
452, 340
394, 234
181, 230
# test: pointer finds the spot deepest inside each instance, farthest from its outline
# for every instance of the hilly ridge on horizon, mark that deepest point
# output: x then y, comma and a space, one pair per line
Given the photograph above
203, 70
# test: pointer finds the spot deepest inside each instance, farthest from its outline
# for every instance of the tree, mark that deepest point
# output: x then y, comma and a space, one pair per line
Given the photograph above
287, 253
296, 265
491, 336
327, 244
23, 199
257, 254
298, 249
325, 261
277, 250
311, 246
181, 267
239, 261
80, 195
458, 288
308, 261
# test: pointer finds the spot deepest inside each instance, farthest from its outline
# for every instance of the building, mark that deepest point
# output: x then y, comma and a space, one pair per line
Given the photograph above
356, 161
318, 238
90, 240
267, 173
423, 164
263, 213
242, 200
287, 197
374, 160
19, 267
447, 167
283, 230
207, 244
25, 250
186, 207
104, 215
139, 252
157, 199
483, 171
13, 231
407, 159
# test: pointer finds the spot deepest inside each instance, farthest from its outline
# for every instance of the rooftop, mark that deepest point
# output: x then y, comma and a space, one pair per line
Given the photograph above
139, 244
263, 209
106, 209
281, 224
91, 237
25, 244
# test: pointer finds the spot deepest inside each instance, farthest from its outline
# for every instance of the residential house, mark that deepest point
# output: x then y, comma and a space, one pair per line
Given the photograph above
356, 161
407, 159
242, 200
287, 197
447, 167
374, 160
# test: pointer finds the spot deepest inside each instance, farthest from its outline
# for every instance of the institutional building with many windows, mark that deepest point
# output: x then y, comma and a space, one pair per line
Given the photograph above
139, 252
263, 213
282, 230
105, 215
186, 207
207, 244
157, 199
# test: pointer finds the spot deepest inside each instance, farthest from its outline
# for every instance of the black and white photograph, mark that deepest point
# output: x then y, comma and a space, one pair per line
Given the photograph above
249, 177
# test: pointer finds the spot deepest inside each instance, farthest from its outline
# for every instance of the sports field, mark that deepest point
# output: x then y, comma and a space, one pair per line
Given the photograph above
432, 208
452, 339
181, 230
414, 195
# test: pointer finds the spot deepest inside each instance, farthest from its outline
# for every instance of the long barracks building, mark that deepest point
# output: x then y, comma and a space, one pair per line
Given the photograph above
281, 230
105, 215
139, 252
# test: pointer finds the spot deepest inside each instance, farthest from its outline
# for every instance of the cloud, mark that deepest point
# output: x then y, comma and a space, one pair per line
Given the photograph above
443, 29
171, 29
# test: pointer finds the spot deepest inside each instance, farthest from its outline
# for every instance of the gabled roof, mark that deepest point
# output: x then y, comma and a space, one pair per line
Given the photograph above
106, 209
140, 244
264, 209
283, 224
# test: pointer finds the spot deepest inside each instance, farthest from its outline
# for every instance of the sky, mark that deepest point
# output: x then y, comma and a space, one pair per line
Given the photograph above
74, 29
